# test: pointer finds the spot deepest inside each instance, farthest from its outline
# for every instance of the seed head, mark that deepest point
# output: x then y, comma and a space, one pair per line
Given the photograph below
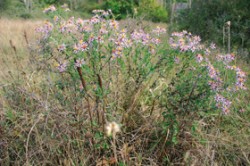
112, 128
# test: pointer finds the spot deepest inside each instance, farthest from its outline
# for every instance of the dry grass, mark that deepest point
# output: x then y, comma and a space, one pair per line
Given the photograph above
37, 130
13, 44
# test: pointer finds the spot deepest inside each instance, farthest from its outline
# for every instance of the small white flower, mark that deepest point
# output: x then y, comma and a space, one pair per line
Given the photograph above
112, 128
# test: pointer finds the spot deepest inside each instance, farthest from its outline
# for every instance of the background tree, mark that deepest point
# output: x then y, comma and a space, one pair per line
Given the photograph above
207, 19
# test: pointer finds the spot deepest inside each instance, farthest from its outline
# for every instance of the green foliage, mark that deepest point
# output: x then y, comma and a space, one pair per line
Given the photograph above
4, 5
120, 8
207, 18
152, 11
49, 2
88, 6
148, 9
25, 15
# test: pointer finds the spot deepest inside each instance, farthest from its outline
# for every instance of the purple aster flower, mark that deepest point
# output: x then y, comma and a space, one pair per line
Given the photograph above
62, 47
79, 62
62, 67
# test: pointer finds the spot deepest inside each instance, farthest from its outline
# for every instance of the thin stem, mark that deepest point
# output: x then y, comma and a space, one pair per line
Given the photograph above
79, 70
229, 40
114, 146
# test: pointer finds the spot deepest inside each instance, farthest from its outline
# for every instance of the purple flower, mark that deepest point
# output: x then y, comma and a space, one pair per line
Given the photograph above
56, 19
155, 41
99, 39
62, 67
45, 29
79, 22
214, 85
101, 12
95, 20
51, 8
184, 41
177, 60
212, 46
114, 25
207, 51
103, 30
226, 58
213, 74
117, 52
141, 37
79, 62
80, 46
222, 103
240, 79
158, 30
68, 27
199, 58
62, 47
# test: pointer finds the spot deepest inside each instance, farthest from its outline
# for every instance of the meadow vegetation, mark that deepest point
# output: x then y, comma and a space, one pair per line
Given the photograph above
104, 92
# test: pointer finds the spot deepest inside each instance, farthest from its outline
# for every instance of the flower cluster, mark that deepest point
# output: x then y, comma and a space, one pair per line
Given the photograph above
226, 58
158, 30
215, 82
140, 37
122, 40
117, 52
81, 36
184, 41
101, 12
106, 29
222, 103
199, 58
68, 26
61, 47
45, 29
240, 78
80, 46
51, 8
95, 19
213, 73
62, 66
113, 24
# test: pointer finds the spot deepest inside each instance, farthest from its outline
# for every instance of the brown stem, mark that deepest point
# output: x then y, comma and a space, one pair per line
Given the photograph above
152, 108
99, 81
103, 112
26, 37
81, 78
13, 46
79, 70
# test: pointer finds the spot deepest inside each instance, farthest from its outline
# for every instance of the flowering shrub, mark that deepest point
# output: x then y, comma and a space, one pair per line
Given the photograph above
117, 72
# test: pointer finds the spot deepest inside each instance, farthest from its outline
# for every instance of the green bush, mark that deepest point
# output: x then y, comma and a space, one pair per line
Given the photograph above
4, 4
25, 15
148, 9
120, 8
49, 2
152, 11
88, 7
